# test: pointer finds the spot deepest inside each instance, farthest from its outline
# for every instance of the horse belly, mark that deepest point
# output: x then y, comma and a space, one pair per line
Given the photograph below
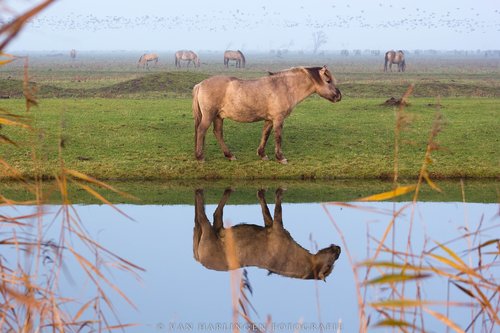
241, 114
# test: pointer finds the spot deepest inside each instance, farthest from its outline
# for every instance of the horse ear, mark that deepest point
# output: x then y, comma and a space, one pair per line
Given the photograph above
325, 74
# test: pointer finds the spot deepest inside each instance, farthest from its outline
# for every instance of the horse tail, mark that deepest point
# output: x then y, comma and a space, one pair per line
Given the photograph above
386, 61
403, 65
140, 60
196, 113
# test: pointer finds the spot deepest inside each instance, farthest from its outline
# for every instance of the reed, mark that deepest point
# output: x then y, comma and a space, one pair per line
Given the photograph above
31, 298
399, 272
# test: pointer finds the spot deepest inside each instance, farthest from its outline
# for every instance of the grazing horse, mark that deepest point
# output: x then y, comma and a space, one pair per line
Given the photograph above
270, 98
188, 56
234, 55
269, 247
393, 57
146, 58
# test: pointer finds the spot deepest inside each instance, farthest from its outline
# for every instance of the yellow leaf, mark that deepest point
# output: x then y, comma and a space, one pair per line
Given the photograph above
430, 182
3, 62
391, 278
92, 180
444, 319
8, 122
400, 190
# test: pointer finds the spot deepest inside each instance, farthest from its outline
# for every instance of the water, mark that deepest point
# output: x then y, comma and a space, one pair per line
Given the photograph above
177, 293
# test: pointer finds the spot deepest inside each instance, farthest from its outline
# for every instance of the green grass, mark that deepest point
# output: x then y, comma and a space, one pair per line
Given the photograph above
152, 139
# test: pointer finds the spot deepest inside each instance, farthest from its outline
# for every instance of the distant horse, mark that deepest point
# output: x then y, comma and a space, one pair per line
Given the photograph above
72, 54
393, 57
188, 56
270, 98
268, 247
234, 55
146, 58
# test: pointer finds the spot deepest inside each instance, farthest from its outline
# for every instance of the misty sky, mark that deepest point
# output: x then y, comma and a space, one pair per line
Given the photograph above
158, 25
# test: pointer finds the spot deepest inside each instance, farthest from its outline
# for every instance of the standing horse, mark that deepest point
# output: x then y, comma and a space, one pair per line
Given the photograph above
393, 57
188, 56
146, 58
270, 98
234, 55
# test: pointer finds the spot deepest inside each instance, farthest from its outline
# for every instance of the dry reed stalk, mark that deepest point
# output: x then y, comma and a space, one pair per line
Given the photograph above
407, 268
30, 298
239, 284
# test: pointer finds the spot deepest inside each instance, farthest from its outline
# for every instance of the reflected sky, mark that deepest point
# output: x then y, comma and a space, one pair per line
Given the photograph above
177, 289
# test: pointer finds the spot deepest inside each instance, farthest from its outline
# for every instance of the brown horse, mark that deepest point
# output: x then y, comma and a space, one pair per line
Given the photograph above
188, 56
271, 99
393, 57
270, 247
236, 56
146, 58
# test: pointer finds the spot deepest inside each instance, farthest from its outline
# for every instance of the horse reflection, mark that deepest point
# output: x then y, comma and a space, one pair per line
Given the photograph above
270, 247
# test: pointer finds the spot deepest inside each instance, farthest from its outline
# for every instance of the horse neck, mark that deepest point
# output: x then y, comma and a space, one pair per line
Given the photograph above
300, 86
301, 264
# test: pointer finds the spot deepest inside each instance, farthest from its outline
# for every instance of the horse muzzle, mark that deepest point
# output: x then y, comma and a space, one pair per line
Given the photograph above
337, 97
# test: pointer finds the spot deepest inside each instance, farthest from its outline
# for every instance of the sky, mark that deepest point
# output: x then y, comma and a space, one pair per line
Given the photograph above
259, 25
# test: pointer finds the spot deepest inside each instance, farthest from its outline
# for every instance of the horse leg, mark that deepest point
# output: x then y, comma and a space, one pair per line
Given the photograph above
219, 135
202, 226
278, 128
218, 214
268, 220
278, 215
201, 130
268, 125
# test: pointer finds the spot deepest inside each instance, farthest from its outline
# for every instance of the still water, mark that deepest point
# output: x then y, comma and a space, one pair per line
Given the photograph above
178, 293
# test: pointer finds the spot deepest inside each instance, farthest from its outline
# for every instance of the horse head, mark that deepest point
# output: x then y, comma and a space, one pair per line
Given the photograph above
324, 261
324, 83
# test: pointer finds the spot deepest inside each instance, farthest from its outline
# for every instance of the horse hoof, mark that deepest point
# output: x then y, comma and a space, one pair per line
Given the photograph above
283, 161
264, 158
232, 158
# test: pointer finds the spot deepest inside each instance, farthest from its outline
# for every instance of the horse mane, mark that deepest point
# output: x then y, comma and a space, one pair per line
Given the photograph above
242, 56
313, 72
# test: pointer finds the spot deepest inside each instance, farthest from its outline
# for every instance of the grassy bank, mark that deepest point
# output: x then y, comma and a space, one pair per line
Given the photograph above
153, 139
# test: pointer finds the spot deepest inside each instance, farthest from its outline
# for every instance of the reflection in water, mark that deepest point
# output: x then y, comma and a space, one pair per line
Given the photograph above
270, 247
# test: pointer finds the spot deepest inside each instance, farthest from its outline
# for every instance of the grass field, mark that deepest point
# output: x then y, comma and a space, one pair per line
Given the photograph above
121, 122
133, 128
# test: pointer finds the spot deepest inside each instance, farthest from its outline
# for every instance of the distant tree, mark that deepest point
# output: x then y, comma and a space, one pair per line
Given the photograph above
319, 38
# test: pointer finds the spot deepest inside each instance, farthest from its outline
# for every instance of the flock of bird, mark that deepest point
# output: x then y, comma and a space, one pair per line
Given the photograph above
460, 20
